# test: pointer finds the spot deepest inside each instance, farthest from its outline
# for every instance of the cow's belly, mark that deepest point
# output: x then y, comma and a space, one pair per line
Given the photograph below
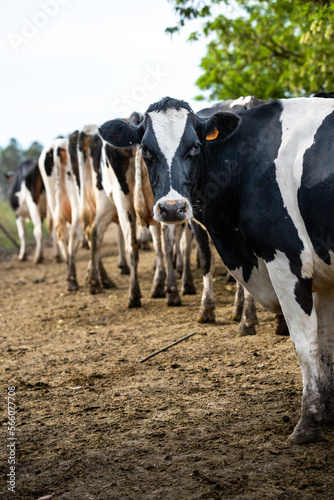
260, 287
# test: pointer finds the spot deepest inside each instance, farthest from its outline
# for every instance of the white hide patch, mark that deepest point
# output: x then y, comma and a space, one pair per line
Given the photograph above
302, 327
300, 120
259, 286
168, 128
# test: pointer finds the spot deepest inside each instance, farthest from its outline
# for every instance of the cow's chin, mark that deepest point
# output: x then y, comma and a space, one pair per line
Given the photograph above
176, 222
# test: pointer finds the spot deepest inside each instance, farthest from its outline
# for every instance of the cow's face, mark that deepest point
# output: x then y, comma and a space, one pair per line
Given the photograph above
173, 141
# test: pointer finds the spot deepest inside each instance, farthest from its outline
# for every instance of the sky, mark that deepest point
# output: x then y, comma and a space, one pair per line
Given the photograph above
67, 63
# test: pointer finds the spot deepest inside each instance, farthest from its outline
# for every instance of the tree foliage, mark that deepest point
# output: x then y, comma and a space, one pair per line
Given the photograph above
272, 49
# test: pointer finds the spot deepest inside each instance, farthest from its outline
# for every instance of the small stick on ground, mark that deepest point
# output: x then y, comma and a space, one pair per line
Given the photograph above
167, 347
9, 236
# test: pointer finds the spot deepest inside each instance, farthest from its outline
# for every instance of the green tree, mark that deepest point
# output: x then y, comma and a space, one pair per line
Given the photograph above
34, 151
272, 49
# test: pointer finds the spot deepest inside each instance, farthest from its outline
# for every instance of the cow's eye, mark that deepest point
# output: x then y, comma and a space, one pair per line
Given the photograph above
147, 155
195, 149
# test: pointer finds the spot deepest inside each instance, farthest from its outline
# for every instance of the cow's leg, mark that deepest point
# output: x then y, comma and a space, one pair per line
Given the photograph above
144, 238
238, 302
324, 305
188, 287
207, 263
173, 297
62, 233
38, 230
281, 326
249, 318
75, 235
102, 220
128, 223
158, 286
22, 233
295, 297
178, 260
56, 250
122, 264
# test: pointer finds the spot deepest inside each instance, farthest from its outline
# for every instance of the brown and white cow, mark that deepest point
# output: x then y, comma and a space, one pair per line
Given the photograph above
61, 180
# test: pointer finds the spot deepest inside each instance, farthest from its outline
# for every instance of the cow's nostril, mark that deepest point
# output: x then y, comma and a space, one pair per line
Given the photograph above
163, 211
181, 209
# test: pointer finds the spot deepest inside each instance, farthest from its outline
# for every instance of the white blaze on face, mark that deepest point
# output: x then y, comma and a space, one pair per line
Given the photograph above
168, 128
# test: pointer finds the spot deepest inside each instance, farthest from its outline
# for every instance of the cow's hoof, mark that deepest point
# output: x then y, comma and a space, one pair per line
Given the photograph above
58, 259
94, 287
158, 292
39, 260
72, 285
124, 270
206, 317
188, 290
23, 259
245, 330
134, 302
108, 283
304, 435
236, 316
173, 299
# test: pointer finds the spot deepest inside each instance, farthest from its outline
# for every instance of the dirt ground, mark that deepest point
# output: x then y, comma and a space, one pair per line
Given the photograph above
207, 419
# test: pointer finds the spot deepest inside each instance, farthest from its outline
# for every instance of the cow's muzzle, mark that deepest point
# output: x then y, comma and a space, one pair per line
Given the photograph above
172, 211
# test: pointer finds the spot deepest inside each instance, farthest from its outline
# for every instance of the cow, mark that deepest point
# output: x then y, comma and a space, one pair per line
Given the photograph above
244, 309
61, 180
26, 194
164, 283
262, 184
97, 210
118, 180
234, 105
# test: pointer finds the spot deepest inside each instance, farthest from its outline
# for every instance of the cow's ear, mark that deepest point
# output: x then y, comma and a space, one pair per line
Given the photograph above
121, 134
221, 126
9, 175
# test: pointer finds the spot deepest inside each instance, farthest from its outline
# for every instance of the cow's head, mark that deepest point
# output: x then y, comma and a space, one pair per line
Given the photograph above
173, 141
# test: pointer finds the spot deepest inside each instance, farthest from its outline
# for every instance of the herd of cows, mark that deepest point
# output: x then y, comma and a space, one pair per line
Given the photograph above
256, 178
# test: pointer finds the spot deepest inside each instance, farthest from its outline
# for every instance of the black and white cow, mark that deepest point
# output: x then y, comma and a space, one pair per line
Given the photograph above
234, 105
244, 309
27, 198
164, 236
262, 184
97, 211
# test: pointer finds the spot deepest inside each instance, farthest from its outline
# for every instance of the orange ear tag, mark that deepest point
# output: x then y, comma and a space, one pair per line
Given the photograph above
212, 135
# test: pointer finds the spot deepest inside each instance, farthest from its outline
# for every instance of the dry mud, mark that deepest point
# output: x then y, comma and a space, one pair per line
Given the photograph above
207, 419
